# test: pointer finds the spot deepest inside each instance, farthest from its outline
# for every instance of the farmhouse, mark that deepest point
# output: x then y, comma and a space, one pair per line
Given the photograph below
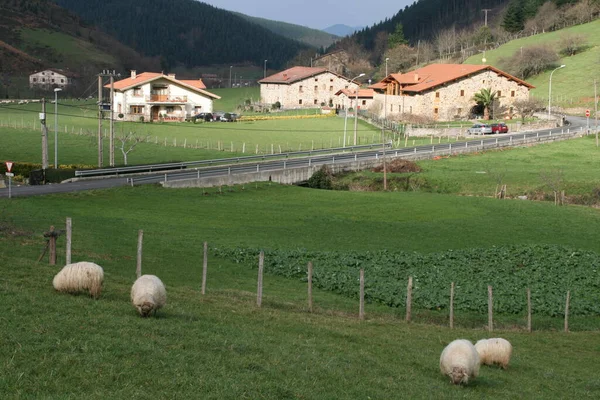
445, 92
303, 87
151, 96
346, 98
50, 79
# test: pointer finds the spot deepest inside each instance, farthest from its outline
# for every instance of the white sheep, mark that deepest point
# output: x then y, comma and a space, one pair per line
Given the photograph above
80, 277
460, 361
494, 351
148, 294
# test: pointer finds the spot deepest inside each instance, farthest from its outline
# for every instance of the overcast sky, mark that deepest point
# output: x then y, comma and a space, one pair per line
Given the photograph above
318, 14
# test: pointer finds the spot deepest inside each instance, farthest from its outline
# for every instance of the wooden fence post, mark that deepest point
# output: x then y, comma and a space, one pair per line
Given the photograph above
528, 310
490, 310
204, 267
409, 299
567, 311
452, 305
261, 263
138, 269
361, 307
69, 236
52, 239
310, 299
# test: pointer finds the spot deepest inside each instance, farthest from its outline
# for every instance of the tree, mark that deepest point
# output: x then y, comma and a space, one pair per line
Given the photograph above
397, 37
526, 108
571, 43
130, 139
513, 19
401, 58
529, 61
485, 98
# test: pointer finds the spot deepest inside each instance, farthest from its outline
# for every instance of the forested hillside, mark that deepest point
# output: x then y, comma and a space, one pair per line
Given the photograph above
311, 37
185, 32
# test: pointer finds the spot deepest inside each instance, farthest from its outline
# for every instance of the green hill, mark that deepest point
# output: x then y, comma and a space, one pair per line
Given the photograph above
571, 86
312, 37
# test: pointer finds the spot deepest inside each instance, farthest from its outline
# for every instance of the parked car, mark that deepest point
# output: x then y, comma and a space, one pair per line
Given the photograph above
204, 116
499, 128
479, 129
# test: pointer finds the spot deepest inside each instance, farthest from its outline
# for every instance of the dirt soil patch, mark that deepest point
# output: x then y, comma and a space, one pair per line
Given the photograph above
399, 166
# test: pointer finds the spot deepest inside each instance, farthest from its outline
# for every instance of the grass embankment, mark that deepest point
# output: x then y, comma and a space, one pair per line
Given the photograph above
571, 86
221, 345
532, 171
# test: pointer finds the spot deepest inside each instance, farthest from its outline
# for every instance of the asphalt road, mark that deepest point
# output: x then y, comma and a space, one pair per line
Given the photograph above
577, 123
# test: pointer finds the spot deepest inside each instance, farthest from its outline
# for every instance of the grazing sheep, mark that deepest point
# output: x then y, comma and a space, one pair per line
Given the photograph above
148, 294
460, 361
80, 277
494, 351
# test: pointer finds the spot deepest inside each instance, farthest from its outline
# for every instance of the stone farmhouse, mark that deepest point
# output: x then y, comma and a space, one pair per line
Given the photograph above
303, 87
445, 92
346, 98
50, 79
151, 96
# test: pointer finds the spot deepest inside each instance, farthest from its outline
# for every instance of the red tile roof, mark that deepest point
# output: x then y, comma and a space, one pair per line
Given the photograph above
296, 74
438, 74
145, 77
362, 93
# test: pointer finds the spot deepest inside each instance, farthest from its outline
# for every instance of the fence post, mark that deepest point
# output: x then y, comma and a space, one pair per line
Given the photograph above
69, 232
409, 299
204, 267
261, 263
452, 305
567, 311
310, 299
490, 309
138, 269
528, 310
52, 239
361, 308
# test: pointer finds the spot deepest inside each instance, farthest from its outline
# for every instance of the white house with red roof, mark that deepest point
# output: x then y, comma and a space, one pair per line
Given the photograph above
303, 87
445, 92
347, 98
151, 96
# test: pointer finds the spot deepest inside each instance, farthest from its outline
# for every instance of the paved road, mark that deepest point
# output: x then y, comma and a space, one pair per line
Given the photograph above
488, 141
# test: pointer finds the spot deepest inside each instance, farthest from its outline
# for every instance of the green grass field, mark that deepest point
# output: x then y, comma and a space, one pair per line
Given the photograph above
572, 85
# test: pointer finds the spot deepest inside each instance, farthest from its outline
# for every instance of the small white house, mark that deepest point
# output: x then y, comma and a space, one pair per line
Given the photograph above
347, 98
151, 96
50, 79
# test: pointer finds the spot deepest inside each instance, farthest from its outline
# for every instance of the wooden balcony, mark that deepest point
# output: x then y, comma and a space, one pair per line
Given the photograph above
165, 98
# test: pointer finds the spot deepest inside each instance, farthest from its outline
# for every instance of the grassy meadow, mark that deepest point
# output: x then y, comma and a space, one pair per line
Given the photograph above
572, 85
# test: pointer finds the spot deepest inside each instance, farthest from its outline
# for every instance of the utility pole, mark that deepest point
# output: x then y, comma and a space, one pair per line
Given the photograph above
44, 136
112, 121
100, 145
485, 10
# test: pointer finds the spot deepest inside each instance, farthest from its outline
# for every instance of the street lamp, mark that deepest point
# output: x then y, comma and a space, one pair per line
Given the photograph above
230, 67
383, 127
356, 109
550, 90
386, 61
346, 112
56, 90
265, 73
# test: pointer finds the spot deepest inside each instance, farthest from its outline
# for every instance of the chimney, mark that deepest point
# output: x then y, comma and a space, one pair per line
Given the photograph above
416, 77
133, 74
171, 76
285, 76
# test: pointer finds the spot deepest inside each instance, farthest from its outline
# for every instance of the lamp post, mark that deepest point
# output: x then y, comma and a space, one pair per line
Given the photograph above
230, 67
383, 127
265, 72
356, 109
550, 90
346, 113
56, 90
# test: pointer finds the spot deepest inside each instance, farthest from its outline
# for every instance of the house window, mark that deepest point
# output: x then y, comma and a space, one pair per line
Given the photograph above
52, 80
52, 73
137, 92
364, 102
62, 81
346, 87
300, 89
35, 79
462, 92
300, 101
316, 79
331, 80
437, 95
499, 93
315, 101
331, 88
43, 79
43, 73
136, 110
483, 81
435, 111
512, 93
170, 109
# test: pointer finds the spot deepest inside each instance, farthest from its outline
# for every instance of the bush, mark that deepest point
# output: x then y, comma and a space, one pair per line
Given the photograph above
276, 105
530, 61
322, 179
142, 118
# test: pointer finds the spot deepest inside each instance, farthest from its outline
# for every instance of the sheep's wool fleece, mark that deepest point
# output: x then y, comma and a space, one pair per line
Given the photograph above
460, 361
148, 294
80, 277
494, 351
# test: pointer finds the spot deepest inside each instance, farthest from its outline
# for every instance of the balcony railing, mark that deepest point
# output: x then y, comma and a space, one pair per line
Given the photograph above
165, 98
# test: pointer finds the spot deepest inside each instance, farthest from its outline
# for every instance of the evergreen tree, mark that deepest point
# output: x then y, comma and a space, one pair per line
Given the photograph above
514, 20
397, 38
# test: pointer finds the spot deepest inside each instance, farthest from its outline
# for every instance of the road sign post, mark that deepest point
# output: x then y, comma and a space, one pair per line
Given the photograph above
9, 165
587, 116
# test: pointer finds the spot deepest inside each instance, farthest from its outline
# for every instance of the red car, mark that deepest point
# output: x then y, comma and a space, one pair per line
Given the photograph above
499, 128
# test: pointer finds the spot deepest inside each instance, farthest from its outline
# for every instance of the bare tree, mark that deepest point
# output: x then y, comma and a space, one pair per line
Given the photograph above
530, 61
525, 108
130, 141
572, 43
401, 57
554, 179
